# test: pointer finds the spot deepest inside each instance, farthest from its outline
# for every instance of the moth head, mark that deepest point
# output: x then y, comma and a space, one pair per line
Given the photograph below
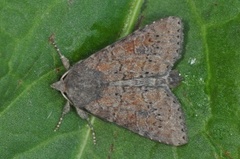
59, 85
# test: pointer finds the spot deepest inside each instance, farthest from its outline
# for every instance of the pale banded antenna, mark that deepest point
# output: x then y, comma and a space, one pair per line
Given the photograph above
64, 60
66, 109
92, 130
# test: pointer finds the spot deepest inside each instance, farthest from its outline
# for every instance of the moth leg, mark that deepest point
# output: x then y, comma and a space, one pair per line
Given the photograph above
64, 60
139, 21
65, 110
84, 115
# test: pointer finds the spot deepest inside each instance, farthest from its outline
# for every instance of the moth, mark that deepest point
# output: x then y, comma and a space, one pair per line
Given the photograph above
129, 83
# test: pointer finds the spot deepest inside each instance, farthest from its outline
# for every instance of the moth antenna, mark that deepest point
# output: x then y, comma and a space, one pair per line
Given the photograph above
59, 123
64, 60
92, 130
66, 109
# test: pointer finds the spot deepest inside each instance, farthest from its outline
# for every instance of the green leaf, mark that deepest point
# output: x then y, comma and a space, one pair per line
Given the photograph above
30, 109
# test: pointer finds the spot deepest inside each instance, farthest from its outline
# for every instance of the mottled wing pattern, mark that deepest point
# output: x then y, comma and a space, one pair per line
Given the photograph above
147, 52
153, 112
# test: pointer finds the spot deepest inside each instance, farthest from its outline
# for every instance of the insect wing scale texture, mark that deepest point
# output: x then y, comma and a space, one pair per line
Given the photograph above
127, 83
